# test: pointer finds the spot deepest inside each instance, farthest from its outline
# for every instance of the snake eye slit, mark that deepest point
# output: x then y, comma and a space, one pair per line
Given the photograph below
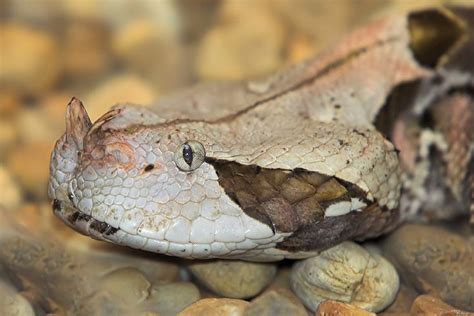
189, 156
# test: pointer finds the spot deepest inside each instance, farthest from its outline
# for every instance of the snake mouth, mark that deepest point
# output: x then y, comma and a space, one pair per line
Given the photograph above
82, 222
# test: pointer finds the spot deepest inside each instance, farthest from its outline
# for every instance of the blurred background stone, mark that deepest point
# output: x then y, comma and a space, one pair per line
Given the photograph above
32, 55
247, 41
29, 163
85, 49
126, 88
113, 51
10, 193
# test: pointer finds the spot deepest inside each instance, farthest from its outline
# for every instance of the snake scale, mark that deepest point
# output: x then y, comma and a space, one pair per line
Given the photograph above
345, 145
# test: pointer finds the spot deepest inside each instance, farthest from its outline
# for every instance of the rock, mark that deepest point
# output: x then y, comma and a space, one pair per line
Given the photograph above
8, 136
169, 299
278, 301
85, 49
235, 279
126, 88
427, 305
29, 163
248, 41
13, 303
32, 55
335, 308
216, 307
10, 194
347, 273
46, 121
434, 261
145, 47
128, 285
315, 19
403, 300
10, 102
133, 290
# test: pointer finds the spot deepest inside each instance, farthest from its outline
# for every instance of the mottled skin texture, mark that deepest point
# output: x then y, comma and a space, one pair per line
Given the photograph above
117, 180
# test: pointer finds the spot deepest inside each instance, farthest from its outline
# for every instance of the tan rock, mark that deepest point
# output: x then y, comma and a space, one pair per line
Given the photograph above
404, 299
335, 308
348, 273
248, 41
10, 193
45, 122
32, 55
85, 49
29, 163
10, 102
427, 305
137, 287
152, 51
8, 136
236, 279
170, 299
274, 302
13, 303
126, 88
434, 261
216, 307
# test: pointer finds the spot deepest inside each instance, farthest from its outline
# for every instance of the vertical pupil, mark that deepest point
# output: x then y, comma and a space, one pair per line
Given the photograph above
187, 154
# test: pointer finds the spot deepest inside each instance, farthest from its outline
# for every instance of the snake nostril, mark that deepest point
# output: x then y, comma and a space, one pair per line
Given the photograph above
149, 167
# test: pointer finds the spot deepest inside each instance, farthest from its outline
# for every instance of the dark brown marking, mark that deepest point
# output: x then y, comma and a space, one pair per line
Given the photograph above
56, 205
433, 34
329, 231
284, 200
149, 167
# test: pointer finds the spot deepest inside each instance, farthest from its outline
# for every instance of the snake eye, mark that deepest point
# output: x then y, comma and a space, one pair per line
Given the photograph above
189, 155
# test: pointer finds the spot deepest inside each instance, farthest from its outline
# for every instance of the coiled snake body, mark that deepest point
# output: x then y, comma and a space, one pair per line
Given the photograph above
286, 166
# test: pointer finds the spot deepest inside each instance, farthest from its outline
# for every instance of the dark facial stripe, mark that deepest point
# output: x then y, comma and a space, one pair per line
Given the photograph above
284, 200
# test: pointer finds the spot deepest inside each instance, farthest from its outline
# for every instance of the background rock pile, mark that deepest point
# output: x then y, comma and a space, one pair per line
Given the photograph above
105, 52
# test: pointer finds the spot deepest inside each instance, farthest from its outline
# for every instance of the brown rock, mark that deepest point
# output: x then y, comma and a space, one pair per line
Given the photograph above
32, 66
236, 279
248, 41
85, 50
126, 88
335, 308
10, 193
434, 261
170, 299
431, 306
216, 307
277, 301
29, 163
403, 300
10, 102
145, 47
8, 136
45, 122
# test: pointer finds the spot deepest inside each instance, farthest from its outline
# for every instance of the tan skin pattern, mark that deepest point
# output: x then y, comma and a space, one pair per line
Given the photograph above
285, 166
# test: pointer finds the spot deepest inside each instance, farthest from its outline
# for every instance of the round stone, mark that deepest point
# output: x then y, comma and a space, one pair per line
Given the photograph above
235, 279
347, 273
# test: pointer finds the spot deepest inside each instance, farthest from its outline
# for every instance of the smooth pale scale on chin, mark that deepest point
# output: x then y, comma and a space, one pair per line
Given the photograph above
344, 207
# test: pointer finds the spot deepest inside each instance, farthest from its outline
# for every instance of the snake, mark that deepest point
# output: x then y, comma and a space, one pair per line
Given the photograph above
376, 130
